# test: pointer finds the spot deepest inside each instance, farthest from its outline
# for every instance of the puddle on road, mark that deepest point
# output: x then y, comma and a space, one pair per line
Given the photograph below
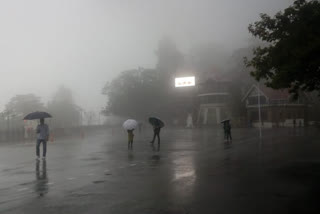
11, 169
22, 189
180, 175
98, 182
27, 183
174, 211
81, 194
86, 194
92, 159
70, 179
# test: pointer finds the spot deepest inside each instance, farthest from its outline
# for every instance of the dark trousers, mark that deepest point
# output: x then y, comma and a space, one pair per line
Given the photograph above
156, 134
44, 143
227, 135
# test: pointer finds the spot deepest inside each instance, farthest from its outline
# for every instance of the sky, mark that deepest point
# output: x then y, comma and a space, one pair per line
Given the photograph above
82, 44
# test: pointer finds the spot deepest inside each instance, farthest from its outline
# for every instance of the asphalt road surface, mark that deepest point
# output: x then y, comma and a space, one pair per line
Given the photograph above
194, 171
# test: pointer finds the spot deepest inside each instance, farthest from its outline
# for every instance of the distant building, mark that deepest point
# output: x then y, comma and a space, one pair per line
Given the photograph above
277, 108
213, 97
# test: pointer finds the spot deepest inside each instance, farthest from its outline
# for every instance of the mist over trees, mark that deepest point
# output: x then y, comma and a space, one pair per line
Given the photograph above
139, 93
21, 105
18, 107
63, 109
130, 90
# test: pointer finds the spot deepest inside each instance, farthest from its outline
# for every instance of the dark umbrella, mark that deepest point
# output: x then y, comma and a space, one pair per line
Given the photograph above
156, 122
37, 115
225, 121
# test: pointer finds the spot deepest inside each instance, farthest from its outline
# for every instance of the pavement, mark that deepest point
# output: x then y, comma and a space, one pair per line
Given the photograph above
193, 171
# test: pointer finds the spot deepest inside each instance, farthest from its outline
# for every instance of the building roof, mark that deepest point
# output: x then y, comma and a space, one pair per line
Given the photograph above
273, 94
270, 93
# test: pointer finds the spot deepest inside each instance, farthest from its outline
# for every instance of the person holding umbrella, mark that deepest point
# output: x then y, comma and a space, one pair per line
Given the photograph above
227, 129
130, 138
42, 131
156, 133
130, 125
157, 124
43, 136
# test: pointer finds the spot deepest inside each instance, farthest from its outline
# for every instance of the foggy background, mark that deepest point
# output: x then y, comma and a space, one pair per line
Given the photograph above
82, 44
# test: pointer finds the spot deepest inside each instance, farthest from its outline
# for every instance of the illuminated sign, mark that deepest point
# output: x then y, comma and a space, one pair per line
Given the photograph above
185, 81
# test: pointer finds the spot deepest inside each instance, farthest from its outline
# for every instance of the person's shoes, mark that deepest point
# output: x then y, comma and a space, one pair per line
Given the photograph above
37, 158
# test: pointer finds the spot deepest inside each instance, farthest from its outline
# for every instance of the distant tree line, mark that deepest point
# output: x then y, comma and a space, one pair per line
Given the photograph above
62, 107
286, 55
139, 93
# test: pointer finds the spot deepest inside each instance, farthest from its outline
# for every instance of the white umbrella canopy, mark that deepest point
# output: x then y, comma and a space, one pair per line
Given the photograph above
130, 124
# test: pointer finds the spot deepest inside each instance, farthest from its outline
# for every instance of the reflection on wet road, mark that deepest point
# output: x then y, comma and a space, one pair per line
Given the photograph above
194, 171
41, 183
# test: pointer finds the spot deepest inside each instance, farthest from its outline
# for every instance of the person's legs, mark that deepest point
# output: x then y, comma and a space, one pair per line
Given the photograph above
44, 143
154, 137
129, 141
230, 135
158, 135
38, 148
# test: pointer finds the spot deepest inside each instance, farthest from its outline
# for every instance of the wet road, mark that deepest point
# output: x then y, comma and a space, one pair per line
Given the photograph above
194, 171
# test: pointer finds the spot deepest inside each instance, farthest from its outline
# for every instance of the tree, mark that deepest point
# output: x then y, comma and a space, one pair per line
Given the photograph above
291, 57
63, 109
18, 107
22, 104
132, 92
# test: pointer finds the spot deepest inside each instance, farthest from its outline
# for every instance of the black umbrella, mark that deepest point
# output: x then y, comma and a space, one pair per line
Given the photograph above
37, 115
156, 122
225, 121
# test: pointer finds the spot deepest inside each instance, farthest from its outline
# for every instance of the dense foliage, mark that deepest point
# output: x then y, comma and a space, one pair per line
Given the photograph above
291, 56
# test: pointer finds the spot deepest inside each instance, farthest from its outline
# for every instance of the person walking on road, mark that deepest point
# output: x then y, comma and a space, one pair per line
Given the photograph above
157, 124
156, 133
227, 131
130, 138
43, 136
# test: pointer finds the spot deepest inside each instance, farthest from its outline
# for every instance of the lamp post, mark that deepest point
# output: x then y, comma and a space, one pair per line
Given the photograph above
259, 109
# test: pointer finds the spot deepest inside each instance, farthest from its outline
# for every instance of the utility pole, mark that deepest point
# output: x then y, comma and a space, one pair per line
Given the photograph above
259, 107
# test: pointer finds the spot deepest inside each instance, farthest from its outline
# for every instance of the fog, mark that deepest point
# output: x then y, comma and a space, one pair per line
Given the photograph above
82, 44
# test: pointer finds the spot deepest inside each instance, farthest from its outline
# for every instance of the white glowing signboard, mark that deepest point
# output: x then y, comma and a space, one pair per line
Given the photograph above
185, 81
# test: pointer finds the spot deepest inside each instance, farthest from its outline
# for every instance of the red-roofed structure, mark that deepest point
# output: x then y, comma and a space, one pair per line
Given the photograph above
277, 107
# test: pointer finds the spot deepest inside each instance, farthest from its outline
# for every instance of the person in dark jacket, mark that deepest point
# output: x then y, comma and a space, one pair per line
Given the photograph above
227, 130
43, 136
156, 133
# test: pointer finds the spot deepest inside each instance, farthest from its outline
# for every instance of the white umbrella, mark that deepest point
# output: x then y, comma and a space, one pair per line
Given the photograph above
130, 124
